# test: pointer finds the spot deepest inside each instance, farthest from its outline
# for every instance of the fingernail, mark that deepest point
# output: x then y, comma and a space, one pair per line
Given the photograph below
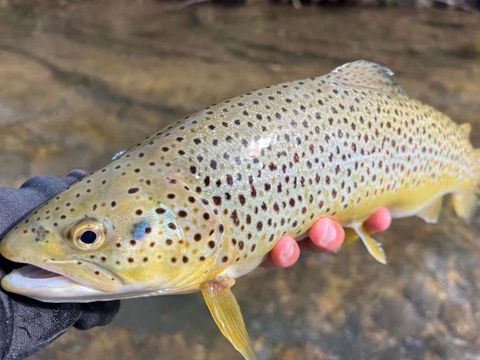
330, 234
288, 250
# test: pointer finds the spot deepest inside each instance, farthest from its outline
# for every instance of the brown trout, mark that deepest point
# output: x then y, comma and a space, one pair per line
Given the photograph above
202, 201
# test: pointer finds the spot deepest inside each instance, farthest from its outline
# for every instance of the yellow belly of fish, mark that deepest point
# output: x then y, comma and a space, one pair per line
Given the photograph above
404, 202
423, 201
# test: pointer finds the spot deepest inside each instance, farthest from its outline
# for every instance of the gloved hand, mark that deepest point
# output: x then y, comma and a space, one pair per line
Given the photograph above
27, 325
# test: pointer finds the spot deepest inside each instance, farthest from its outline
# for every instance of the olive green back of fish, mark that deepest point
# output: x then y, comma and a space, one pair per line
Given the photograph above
273, 160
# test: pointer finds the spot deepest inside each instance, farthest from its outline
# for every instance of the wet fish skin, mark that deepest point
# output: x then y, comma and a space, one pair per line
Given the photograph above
207, 198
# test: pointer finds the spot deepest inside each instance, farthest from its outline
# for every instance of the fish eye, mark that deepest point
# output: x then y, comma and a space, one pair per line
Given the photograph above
88, 234
88, 237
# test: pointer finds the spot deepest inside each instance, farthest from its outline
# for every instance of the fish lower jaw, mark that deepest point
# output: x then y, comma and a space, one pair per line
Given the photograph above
50, 287
44, 285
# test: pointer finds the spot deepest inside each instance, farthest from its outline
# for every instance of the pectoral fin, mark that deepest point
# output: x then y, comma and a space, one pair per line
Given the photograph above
431, 213
373, 247
227, 314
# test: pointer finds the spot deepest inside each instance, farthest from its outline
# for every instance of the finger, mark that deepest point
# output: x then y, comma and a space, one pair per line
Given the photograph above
380, 220
74, 176
327, 234
285, 253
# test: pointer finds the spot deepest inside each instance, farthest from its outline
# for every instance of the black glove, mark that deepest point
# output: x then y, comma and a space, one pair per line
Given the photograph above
27, 325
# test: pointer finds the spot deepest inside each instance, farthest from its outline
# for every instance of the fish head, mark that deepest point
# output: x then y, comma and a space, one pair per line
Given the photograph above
104, 238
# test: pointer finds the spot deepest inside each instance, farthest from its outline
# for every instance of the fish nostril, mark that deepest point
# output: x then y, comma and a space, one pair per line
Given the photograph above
41, 233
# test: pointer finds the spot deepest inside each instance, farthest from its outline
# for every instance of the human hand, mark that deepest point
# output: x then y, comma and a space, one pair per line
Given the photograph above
27, 325
324, 235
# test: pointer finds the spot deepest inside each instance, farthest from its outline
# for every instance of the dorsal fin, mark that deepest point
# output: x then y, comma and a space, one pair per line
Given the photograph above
466, 128
366, 74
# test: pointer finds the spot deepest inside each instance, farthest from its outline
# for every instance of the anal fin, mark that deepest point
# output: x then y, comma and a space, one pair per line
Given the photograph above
464, 204
227, 314
374, 248
431, 213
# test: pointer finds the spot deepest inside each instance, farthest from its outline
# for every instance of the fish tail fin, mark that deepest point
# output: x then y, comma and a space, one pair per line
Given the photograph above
465, 201
476, 157
476, 165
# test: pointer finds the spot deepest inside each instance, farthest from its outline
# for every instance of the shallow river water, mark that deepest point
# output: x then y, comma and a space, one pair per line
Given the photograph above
81, 81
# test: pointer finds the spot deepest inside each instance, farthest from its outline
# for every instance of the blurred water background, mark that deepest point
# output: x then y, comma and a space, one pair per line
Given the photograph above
82, 80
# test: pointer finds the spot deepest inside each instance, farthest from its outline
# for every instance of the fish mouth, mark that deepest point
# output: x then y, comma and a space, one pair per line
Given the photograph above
53, 282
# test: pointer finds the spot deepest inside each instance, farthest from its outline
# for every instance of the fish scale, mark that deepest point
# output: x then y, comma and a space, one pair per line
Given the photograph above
327, 147
202, 201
